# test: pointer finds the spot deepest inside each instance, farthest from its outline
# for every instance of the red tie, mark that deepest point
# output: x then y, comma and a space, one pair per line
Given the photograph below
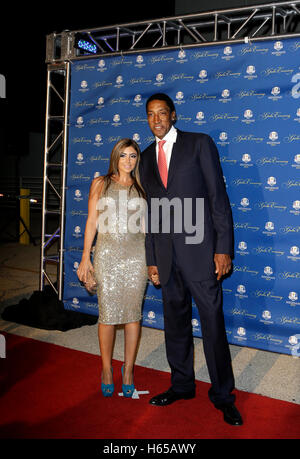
162, 163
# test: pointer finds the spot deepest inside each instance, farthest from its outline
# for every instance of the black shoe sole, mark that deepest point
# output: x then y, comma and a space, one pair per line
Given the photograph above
184, 397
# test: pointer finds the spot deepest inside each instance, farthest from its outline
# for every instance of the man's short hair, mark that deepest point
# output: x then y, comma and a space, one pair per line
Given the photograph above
164, 97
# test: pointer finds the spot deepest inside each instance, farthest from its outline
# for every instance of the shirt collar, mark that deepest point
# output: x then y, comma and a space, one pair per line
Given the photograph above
170, 136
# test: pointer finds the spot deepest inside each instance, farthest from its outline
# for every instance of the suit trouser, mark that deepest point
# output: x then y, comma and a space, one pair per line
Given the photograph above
177, 299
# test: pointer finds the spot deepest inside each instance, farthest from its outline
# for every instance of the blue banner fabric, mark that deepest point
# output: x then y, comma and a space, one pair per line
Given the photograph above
247, 98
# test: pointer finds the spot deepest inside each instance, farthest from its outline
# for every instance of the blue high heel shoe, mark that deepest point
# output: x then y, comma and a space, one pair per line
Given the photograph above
107, 389
127, 389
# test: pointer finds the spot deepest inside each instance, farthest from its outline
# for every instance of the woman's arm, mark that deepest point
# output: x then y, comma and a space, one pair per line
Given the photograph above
90, 229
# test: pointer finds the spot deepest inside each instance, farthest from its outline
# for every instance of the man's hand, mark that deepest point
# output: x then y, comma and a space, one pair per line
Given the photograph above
222, 263
153, 275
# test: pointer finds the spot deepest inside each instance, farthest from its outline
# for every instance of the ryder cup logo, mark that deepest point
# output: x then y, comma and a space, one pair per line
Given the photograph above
268, 270
248, 116
246, 160
79, 122
296, 208
244, 205
80, 159
294, 253
84, 86
101, 66
223, 139
275, 94
78, 196
269, 226
200, 118
250, 72
268, 273
225, 96
241, 331
159, 79
77, 232
275, 91
278, 48
136, 137
267, 315
150, 319
271, 181
75, 265
195, 323
98, 140
202, 76
296, 161
241, 291
242, 248
119, 82
182, 55
139, 62
241, 334
100, 102
75, 303
179, 98
296, 205
269, 229
116, 120
273, 139
227, 53
271, 184
297, 119
293, 296
294, 250
137, 101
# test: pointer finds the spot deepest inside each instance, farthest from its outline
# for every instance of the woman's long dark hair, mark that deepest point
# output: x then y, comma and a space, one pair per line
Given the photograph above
114, 162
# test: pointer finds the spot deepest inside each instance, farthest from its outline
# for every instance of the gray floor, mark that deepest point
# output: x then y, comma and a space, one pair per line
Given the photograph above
266, 373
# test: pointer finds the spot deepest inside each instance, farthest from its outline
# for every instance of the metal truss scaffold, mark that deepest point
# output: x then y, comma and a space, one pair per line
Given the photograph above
252, 23
238, 25
55, 163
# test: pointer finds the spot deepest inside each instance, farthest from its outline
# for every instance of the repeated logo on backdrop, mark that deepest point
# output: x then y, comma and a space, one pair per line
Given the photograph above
247, 98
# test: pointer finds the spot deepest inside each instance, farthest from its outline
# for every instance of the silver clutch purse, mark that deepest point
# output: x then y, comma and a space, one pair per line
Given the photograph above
91, 283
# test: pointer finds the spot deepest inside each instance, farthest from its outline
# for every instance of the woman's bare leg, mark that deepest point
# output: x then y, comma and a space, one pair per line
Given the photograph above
106, 335
131, 338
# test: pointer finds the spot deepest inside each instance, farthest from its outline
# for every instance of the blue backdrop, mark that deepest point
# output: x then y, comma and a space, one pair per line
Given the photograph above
247, 98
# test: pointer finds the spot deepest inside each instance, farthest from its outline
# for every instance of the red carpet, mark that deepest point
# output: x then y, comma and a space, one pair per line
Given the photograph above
48, 391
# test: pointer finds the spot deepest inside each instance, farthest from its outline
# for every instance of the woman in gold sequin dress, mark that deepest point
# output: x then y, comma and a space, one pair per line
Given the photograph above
115, 209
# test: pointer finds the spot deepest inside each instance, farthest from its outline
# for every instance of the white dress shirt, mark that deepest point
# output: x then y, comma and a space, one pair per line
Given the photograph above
170, 139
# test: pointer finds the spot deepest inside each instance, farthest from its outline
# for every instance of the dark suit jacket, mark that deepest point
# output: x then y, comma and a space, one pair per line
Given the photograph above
194, 172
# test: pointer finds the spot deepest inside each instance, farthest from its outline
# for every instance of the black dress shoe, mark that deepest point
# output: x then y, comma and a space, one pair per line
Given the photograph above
168, 397
231, 414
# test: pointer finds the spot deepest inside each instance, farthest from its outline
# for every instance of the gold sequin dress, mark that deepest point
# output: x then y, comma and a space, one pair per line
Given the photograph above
119, 258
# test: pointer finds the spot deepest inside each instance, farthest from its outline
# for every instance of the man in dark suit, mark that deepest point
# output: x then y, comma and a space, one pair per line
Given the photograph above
189, 244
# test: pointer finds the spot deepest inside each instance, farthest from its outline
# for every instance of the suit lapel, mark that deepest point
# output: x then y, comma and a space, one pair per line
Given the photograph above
177, 157
154, 165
